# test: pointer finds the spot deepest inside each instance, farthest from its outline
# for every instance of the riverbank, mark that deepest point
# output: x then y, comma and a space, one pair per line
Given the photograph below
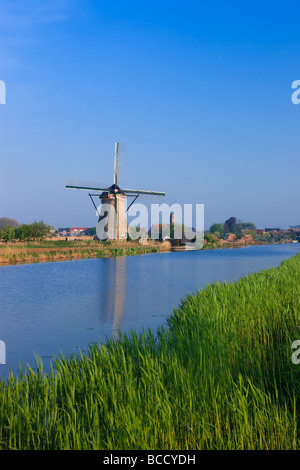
219, 377
212, 242
61, 250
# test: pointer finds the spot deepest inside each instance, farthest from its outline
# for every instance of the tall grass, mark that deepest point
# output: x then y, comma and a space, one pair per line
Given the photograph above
219, 377
56, 250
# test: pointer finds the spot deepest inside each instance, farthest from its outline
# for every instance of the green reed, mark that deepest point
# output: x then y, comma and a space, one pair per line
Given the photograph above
220, 376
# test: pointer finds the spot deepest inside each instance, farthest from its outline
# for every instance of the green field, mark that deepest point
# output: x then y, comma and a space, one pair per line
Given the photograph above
219, 377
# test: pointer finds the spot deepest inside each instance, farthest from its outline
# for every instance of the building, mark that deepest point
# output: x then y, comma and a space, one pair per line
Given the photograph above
295, 228
77, 231
63, 232
72, 231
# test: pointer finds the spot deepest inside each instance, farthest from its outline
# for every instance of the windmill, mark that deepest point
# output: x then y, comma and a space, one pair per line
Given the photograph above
113, 200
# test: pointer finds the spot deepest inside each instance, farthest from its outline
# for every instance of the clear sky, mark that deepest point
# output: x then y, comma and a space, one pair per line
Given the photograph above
198, 92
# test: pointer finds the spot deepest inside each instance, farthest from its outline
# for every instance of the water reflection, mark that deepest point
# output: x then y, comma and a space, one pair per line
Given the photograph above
113, 292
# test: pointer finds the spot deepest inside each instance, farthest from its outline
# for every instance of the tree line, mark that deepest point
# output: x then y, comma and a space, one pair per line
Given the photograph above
239, 229
34, 231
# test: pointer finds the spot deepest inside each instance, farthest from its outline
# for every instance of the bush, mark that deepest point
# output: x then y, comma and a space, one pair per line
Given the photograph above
7, 234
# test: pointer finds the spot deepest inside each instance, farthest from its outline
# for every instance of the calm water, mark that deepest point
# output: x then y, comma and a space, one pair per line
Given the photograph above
51, 307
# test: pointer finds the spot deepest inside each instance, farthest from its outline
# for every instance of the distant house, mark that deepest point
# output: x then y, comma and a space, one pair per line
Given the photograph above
63, 232
78, 231
72, 231
295, 228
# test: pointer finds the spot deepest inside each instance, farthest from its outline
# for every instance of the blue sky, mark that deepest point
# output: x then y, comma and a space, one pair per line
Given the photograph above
198, 92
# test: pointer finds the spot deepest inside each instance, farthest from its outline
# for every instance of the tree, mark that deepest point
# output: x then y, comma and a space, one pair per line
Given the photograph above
24, 232
210, 239
7, 222
40, 230
250, 232
248, 226
91, 231
217, 230
292, 234
7, 233
237, 230
36, 230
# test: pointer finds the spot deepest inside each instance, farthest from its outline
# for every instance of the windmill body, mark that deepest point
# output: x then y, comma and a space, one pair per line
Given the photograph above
113, 211
113, 204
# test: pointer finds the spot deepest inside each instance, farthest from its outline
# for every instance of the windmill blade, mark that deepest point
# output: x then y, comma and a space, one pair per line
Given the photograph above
140, 191
86, 186
120, 165
116, 163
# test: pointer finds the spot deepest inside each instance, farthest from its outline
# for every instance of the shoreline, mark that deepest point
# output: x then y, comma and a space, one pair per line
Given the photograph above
18, 254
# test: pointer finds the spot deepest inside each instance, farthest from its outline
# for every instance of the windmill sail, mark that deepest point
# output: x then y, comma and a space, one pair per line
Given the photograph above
86, 188
116, 163
140, 191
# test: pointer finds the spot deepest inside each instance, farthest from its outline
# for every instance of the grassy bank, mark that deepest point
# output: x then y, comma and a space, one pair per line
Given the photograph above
219, 377
59, 250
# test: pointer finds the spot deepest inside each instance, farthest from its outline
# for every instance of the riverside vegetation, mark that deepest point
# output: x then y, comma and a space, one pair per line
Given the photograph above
59, 250
34, 242
219, 376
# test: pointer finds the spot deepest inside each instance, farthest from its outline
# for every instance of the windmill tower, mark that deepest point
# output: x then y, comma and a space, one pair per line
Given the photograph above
113, 202
113, 207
